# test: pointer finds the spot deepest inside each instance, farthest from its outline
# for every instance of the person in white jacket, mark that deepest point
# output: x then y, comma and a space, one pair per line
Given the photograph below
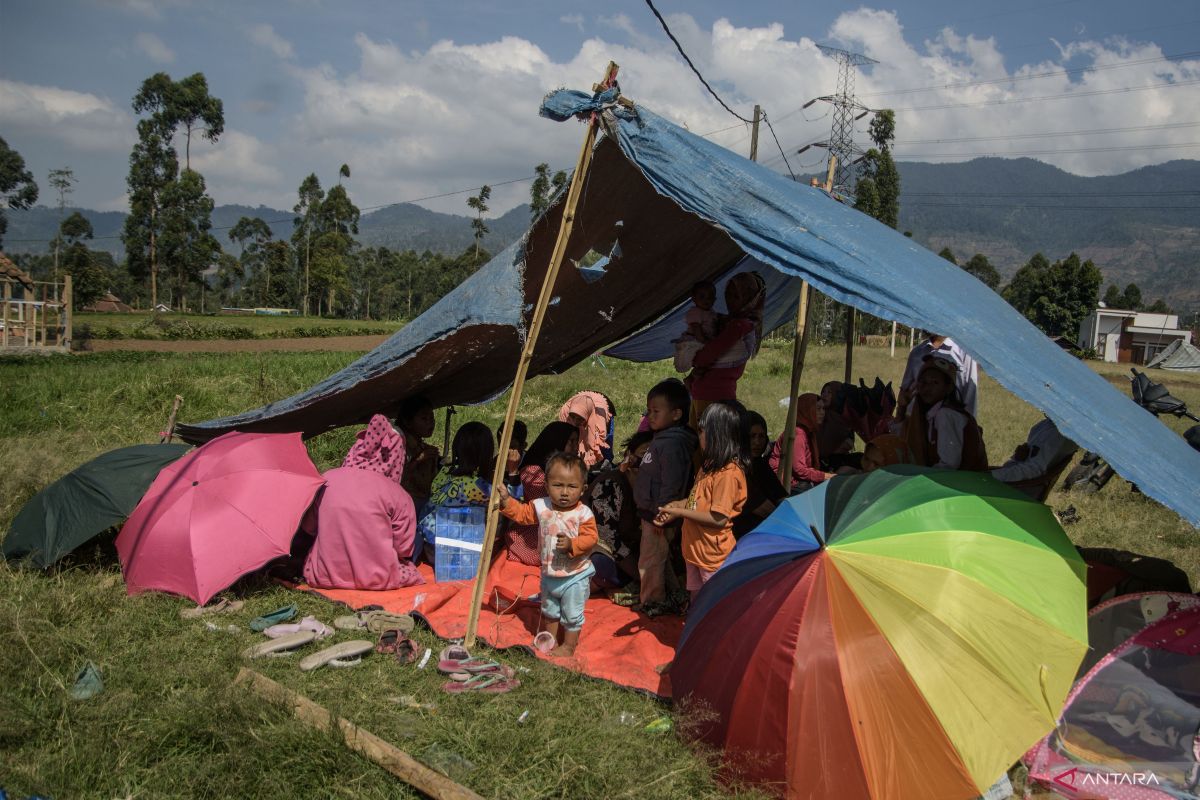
1044, 447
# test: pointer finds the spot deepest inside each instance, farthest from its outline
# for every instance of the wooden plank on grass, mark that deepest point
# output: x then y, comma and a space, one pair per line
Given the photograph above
385, 754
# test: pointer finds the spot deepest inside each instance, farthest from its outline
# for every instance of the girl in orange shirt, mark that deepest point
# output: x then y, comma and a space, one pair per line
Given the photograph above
717, 496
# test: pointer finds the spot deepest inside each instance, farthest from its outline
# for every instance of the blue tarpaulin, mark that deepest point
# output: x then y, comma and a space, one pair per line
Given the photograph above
684, 209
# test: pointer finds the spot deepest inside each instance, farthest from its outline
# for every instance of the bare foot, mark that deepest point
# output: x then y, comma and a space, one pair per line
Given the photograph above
563, 651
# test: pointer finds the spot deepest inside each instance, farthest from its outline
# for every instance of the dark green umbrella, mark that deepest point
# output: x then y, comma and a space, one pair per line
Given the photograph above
85, 502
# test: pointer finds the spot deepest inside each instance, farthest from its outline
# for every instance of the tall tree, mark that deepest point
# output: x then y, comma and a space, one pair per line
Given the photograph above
250, 234
89, 280
338, 219
186, 242
185, 102
17, 187
880, 185
1159, 306
979, 266
153, 166
344, 172
544, 188
62, 180
479, 204
947, 254
307, 210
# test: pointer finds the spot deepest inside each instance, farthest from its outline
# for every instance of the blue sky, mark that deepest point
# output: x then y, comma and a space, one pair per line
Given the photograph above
421, 98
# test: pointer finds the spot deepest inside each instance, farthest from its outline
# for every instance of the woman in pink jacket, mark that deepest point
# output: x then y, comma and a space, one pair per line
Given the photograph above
365, 523
806, 458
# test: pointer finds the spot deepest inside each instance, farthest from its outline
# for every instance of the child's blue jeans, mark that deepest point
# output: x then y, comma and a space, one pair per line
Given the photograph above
563, 598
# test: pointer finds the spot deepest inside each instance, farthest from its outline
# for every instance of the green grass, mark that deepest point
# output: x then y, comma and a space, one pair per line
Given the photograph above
170, 724
145, 325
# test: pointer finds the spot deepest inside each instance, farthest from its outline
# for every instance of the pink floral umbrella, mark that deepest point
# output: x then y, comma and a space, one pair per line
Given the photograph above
221, 511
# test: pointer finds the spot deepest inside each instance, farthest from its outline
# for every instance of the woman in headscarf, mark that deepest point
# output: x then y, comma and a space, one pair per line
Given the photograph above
592, 414
719, 365
365, 522
806, 471
521, 541
885, 451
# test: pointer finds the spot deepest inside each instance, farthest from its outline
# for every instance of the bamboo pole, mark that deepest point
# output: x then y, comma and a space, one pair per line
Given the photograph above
799, 349
851, 314
535, 328
42, 328
30, 319
169, 433
893, 353
361, 741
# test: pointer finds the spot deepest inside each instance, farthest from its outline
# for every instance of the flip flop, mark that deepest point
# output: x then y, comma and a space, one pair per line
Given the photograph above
221, 606
488, 684
260, 624
454, 652
474, 666
313, 624
280, 646
341, 651
394, 642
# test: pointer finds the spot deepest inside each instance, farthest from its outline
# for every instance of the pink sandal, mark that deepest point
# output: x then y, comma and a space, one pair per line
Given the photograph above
490, 683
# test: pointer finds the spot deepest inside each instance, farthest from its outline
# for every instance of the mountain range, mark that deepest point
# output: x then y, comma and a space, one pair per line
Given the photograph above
1141, 226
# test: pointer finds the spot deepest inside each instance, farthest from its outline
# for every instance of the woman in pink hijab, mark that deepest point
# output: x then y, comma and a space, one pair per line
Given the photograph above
592, 413
365, 523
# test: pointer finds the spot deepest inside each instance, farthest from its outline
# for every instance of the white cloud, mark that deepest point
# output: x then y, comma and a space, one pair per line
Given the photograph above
78, 119
572, 19
154, 48
265, 36
236, 161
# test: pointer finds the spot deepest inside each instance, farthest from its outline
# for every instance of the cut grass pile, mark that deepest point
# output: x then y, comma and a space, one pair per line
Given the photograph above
169, 723
172, 326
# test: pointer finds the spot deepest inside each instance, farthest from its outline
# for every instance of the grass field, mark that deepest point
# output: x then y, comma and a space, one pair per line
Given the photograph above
169, 724
145, 325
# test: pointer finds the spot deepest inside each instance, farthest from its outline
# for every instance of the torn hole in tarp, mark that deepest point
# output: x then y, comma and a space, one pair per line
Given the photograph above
594, 264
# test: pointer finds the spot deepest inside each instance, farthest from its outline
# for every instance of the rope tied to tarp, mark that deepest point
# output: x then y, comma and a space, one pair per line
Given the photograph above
563, 104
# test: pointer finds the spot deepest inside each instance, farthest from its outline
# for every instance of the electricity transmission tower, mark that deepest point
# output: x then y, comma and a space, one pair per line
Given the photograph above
846, 110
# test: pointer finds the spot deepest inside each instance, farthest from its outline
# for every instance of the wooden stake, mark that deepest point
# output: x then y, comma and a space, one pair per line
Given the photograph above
30, 319
893, 353
535, 328
4, 314
754, 134
42, 329
67, 300
383, 753
799, 349
170, 431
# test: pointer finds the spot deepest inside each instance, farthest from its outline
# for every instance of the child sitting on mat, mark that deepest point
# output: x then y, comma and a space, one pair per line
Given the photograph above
567, 533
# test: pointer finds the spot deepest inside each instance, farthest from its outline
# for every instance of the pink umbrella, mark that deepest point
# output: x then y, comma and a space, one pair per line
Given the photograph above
222, 510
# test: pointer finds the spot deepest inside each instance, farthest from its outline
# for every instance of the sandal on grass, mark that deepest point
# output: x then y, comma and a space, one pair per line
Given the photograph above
393, 642
454, 652
221, 606
342, 651
313, 624
280, 646
474, 666
488, 684
274, 618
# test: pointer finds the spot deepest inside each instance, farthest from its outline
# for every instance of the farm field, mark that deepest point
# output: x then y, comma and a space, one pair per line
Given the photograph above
145, 325
169, 723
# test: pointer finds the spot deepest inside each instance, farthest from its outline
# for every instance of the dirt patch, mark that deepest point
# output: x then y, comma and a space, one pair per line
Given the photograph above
326, 343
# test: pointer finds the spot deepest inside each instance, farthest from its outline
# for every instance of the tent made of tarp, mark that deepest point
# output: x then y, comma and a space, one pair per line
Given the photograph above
684, 209
1179, 355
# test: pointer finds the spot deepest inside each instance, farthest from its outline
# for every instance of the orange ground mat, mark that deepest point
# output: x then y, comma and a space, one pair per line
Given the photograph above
618, 644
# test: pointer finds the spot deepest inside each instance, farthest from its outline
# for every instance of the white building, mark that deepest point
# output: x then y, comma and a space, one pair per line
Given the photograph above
1129, 336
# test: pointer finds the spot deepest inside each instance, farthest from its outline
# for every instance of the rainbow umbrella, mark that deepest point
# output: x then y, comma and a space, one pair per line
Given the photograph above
907, 633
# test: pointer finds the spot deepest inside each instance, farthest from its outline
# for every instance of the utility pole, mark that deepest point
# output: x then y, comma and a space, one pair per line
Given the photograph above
754, 134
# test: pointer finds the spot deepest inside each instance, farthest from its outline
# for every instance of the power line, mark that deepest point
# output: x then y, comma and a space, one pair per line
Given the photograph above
771, 128
1067, 96
679, 47
1164, 193
1023, 206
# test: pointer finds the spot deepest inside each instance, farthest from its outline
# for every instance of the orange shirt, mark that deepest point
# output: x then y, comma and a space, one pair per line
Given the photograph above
722, 492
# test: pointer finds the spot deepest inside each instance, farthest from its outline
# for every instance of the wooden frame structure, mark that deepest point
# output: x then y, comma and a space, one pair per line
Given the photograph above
31, 320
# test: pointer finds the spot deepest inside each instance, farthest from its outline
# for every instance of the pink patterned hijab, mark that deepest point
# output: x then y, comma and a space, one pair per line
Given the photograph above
379, 448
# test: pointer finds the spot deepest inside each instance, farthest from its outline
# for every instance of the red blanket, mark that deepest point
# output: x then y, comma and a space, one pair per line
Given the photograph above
618, 644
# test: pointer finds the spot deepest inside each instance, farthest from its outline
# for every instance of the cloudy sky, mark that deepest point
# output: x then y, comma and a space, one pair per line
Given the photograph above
427, 98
